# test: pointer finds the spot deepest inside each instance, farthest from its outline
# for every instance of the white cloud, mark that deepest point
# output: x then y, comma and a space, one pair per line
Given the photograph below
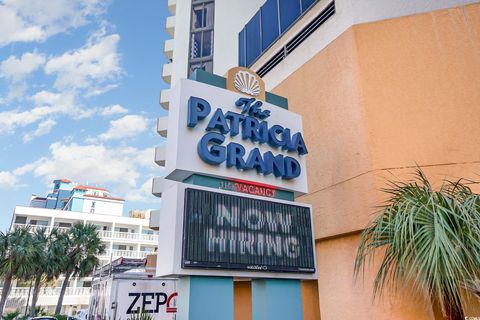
16, 69
143, 194
47, 105
16, 91
43, 128
125, 127
119, 168
89, 67
37, 20
8, 180
113, 110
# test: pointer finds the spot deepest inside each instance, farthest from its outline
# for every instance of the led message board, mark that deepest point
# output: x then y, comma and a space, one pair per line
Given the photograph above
224, 231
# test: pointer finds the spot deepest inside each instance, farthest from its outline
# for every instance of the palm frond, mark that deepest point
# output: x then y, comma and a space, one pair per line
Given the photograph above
431, 240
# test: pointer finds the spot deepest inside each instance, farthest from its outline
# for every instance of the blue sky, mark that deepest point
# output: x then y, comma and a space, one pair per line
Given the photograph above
79, 87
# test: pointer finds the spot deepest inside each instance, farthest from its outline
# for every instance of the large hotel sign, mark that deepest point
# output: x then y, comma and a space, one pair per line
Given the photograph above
223, 231
252, 151
226, 134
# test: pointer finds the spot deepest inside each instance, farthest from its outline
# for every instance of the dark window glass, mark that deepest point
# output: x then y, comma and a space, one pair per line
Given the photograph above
270, 30
306, 4
207, 43
201, 44
196, 45
203, 65
241, 49
202, 16
198, 19
253, 39
22, 220
289, 12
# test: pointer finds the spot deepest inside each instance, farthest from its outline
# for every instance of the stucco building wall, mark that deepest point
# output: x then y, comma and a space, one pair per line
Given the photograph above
380, 99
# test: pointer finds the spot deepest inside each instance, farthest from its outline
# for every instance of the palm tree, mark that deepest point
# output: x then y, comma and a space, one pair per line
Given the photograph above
84, 245
430, 241
50, 258
16, 258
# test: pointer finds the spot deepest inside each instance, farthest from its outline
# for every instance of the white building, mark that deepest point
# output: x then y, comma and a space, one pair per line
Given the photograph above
124, 236
196, 41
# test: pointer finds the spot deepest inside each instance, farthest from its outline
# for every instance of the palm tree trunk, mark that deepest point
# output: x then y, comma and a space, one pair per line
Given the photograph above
454, 313
5, 291
36, 291
58, 309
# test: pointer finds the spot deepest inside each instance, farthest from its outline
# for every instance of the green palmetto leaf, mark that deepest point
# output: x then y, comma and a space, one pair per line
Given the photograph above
431, 240
17, 253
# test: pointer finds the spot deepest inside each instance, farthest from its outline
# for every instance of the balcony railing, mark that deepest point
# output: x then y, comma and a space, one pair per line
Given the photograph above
114, 254
71, 291
104, 234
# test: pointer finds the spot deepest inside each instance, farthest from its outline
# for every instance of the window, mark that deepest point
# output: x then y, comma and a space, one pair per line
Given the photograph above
39, 222
205, 66
202, 16
65, 225
201, 37
123, 229
21, 220
201, 44
253, 39
289, 13
273, 19
270, 28
306, 4
294, 42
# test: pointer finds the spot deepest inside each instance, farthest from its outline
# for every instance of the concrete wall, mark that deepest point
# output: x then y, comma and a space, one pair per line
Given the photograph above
103, 206
378, 100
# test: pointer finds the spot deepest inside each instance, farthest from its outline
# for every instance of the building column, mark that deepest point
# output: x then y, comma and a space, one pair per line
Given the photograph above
205, 298
276, 299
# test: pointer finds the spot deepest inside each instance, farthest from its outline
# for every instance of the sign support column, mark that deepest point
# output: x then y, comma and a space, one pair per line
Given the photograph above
205, 298
276, 299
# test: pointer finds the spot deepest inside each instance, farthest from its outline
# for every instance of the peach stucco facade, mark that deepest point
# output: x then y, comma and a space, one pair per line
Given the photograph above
379, 100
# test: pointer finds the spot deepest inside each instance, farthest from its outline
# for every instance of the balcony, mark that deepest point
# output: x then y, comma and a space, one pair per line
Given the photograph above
167, 73
17, 299
164, 100
71, 291
160, 154
115, 254
154, 219
107, 234
162, 126
170, 26
172, 6
38, 227
168, 48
